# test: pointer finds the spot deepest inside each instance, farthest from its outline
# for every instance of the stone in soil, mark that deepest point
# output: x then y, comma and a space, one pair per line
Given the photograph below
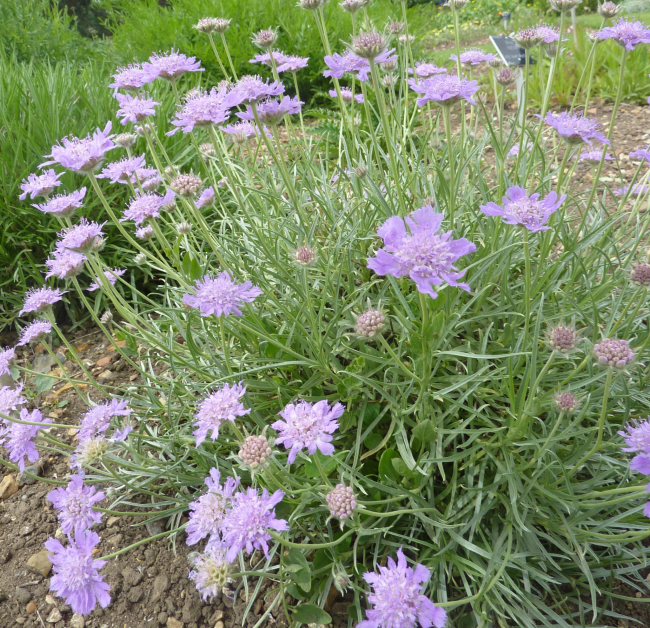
77, 621
172, 622
8, 487
23, 595
159, 588
40, 563
31, 608
54, 616
106, 376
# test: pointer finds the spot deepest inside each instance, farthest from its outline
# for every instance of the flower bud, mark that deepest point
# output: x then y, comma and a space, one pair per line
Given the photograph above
143, 129
563, 6
97, 245
341, 502
609, 10
183, 228
361, 171
107, 317
207, 149
265, 38
140, 259
395, 28
641, 275
614, 353
305, 256
255, 451
125, 140
528, 38
352, 6
222, 183
495, 62
186, 185
506, 76
311, 5
369, 44
566, 402
370, 323
404, 39
562, 338
389, 66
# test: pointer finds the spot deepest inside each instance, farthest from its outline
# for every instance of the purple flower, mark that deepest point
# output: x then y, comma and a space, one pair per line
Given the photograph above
34, 332
548, 34
96, 421
445, 89
341, 502
65, 264
202, 109
135, 108
39, 299
594, 156
528, 211
17, 437
207, 511
39, 184
221, 296
425, 256
637, 439
171, 65
74, 504
210, 570
474, 57
641, 153
206, 198
132, 78
241, 131
308, 426
292, 63
272, 111
575, 128
635, 190
346, 95
398, 598
514, 151
76, 574
426, 70
6, 357
354, 64
143, 207
84, 155
246, 522
10, 399
625, 33
111, 275
80, 238
144, 233
370, 44
63, 204
122, 171
220, 406
250, 89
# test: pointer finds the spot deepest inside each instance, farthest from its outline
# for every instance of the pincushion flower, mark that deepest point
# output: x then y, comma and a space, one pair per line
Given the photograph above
292, 63
65, 264
246, 523
217, 408
132, 78
111, 275
369, 45
206, 198
34, 332
210, 570
627, 34
521, 209
220, 295
354, 64
424, 69
122, 171
423, 255
346, 95
594, 156
575, 128
548, 34
143, 207
514, 151
241, 131
10, 399
473, 57
74, 505
135, 108
637, 440
7, 356
171, 65
40, 299
203, 109
76, 573
635, 190
272, 112
398, 599
641, 153
39, 184
207, 511
96, 421
249, 89
17, 437
444, 89
62, 204
80, 238
85, 155
308, 426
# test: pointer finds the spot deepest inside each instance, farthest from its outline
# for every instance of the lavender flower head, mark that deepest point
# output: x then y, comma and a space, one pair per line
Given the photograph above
369, 45
594, 156
80, 238
424, 69
528, 38
96, 421
246, 522
308, 426
609, 10
143, 207
34, 332
203, 109
614, 353
217, 408
637, 439
17, 437
635, 190
74, 505
521, 209
6, 357
445, 90
65, 264
40, 299
132, 78
575, 128
473, 57
341, 502
640, 275
10, 399
39, 184
206, 198
292, 63
514, 151
250, 89
398, 598
548, 34
207, 511
122, 171
63, 204
85, 155
171, 65
240, 131
627, 34
423, 255
221, 296
346, 95
76, 574
272, 112
210, 571
111, 275
641, 153
135, 108
354, 64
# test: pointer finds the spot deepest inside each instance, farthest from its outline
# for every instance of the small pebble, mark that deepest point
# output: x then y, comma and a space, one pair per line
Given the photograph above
54, 616
77, 621
31, 608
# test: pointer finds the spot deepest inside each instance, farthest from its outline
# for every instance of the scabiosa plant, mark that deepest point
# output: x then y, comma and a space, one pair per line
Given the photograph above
528, 211
255, 452
369, 45
89, 452
246, 523
272, 111
222, 405
252, 89
609, 10
135, 108
65, 264
186, 185
39, 184
85, 155
143, 207
398, 598
40, 299
614, 352
444, 90
111, 275
473, 56
171, 65
132, 78
207, 511
514, 150
640, 153
594, 156
62, 205
220, 295
240, 131
637, 440
566, 402
341, 502
549, 34
210, 571
528, 38
575, 128
17, 438
425, 256
292, 63
34, 332
308, 426
10, 399
346, 95
96, 421
80, 238
562, 338
635, 190
206, 198
370, 323
203, 109
7, 356
626, 34
76, 573
144, 233
74, 505
640, 275
122, 171
208, 25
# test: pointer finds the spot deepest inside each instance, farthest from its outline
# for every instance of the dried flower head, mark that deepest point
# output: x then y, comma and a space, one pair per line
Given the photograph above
613, 352
255, 451
304, 256
107, 317
370, 44
370, 323
566, 402
457, 5
341, 502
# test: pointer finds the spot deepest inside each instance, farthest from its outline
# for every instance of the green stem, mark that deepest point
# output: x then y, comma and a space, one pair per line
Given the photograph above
225, 46
446, 114
218, 56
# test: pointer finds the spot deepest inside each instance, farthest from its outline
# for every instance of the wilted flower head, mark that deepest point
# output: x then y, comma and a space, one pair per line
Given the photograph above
132, 78
397, 597
613, 352
249, 89
562, 338
566, 402
370, 323
528, 38
39, 184
246, 522
341, 502
423, 255
65, 264
63, 204
563, 6
609, 10
210, 570
186, 185
143, 233
122, 171
17, 437
627, 34
89, 452
255, 451
308, 426
84, 155
34, 332
445, 89
111, 275
521, 209
423, 69
473, 57
135, 108
74, 505
370, 44
202, 109
265, 38
96, 421
143, 207
40, 299
220, 406
641, 275
76, 574
594, 156
6, 357
506, 76
171, 65
221, 296
575, 128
